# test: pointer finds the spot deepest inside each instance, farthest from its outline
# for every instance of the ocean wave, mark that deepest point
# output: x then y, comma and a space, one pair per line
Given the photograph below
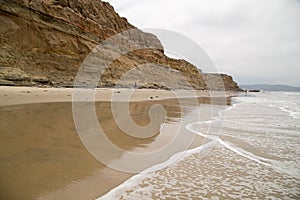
283, 167
292, 113
148, 173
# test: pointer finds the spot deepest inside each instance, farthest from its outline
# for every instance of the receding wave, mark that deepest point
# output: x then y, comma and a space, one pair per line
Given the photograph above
256, 151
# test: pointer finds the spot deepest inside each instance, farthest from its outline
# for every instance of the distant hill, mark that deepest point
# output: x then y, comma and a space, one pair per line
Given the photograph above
267, 87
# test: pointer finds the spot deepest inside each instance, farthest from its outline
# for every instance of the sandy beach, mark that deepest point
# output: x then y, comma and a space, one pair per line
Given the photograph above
42, 155
95, 105
11, 95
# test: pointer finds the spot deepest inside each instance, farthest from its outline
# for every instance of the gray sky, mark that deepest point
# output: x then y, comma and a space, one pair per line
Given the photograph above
255, 41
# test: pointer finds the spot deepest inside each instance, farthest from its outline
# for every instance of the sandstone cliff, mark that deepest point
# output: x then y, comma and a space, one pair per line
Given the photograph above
220, 82
44, 42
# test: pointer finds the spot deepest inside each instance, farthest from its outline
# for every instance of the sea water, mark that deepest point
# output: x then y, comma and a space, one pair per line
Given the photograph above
256, 155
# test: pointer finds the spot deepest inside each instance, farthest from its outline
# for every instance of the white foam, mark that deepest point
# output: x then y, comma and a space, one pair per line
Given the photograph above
231, 147
261, 160
291, 113
286, 101
246, 154
127, 185
117, 191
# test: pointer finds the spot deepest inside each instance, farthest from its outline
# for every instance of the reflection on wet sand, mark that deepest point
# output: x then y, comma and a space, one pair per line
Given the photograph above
41, 153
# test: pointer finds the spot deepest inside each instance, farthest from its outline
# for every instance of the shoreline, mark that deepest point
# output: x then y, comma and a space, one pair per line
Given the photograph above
12, 95
38, 97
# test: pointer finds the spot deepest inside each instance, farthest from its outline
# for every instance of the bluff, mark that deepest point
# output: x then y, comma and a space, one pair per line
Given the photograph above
220, 82
44, 42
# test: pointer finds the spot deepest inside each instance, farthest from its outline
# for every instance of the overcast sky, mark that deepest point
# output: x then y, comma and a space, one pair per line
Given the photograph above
256, 41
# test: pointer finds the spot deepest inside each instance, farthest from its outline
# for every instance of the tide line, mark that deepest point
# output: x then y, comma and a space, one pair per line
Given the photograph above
127, 185
239, 151
242, 152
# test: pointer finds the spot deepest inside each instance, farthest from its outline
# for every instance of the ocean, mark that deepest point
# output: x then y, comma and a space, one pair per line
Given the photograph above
254, 155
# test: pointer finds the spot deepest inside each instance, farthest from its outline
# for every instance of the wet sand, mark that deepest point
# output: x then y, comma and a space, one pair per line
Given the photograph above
42, 156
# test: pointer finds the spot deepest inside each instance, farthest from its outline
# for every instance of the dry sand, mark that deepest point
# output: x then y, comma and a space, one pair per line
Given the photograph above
10, 95
41, 155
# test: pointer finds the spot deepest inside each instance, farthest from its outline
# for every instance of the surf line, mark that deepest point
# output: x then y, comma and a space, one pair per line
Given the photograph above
217, 139
240, 152
129, 183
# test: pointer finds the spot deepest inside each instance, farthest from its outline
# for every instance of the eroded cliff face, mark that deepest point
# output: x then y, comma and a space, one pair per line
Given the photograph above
220, 82
44, 42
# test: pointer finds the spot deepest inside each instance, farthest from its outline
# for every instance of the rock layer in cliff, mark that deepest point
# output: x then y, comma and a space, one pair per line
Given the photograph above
44, 42
220, 82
